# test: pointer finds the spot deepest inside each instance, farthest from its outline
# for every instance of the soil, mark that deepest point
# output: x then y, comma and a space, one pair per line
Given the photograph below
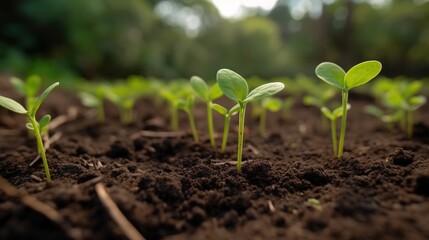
291, 185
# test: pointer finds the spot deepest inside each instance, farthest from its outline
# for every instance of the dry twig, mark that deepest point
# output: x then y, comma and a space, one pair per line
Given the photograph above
129, 230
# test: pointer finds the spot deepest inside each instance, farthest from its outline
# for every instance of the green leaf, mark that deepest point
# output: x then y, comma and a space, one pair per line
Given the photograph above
200, 87
29, 126
180, 104
272, 104
12, 105
32, 85
312, 101
232, 85
327, 113
412, 89
19, 85
44, 121
338, 112
218, 108
374, 111
417, 102
362, 73
215, 92
332, 74
88, 99
234, 110
394, 117
42, 98
264, 91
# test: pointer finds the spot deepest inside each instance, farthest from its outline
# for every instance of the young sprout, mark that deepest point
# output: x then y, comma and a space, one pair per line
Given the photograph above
208, 95
188, 106
332, 116
317, 99
37, 126
404, 99
389, 119
28, 88
271, 104
171, 94
356, 76
235, 88
124, 98
93, 96
227, 114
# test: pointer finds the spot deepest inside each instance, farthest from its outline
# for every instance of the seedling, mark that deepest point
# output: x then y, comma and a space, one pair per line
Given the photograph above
317, 99
28, 88
403, 98
172, 94
188, 106
337, 77
388, 118
37, 126
124, 98
93, 96
235, 88
270, 104
332, 116
227, 114
208, 95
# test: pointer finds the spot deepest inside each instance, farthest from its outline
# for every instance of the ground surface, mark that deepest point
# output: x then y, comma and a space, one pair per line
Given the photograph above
291, 186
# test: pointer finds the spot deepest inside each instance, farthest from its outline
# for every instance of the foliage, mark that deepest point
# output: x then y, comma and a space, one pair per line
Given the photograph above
235, 88
337, 77
36, 126
207, 94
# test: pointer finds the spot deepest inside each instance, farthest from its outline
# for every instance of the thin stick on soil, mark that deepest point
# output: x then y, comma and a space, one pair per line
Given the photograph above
129, 230
39, 207
47, 143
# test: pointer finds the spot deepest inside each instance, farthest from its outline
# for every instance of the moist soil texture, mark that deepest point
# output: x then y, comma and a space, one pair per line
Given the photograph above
291, 185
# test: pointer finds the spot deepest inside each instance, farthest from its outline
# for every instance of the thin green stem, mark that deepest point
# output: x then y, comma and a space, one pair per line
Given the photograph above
225, 132
334, 135
100, 112
345, 96
240, 135
410, 130
403, 121
174, 121
40, 147
192, 125
262, 121
210, 124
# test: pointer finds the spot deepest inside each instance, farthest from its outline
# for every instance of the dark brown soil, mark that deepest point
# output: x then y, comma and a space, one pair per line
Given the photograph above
291, 185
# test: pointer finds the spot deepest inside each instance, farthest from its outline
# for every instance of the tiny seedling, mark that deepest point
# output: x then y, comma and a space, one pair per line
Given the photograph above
28, 88
124, 97
227, 115
208, 95
171, 94
93, 96
389, 118
235, 88
317, 99
37, 126
188, 106
332, 116
271, 104
337, 77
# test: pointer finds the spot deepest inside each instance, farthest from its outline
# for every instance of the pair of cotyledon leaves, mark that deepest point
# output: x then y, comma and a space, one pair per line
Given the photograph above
235, 87
14, 106
356, 76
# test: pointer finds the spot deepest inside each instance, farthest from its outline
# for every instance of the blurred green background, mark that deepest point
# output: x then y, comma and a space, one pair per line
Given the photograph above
174, 39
